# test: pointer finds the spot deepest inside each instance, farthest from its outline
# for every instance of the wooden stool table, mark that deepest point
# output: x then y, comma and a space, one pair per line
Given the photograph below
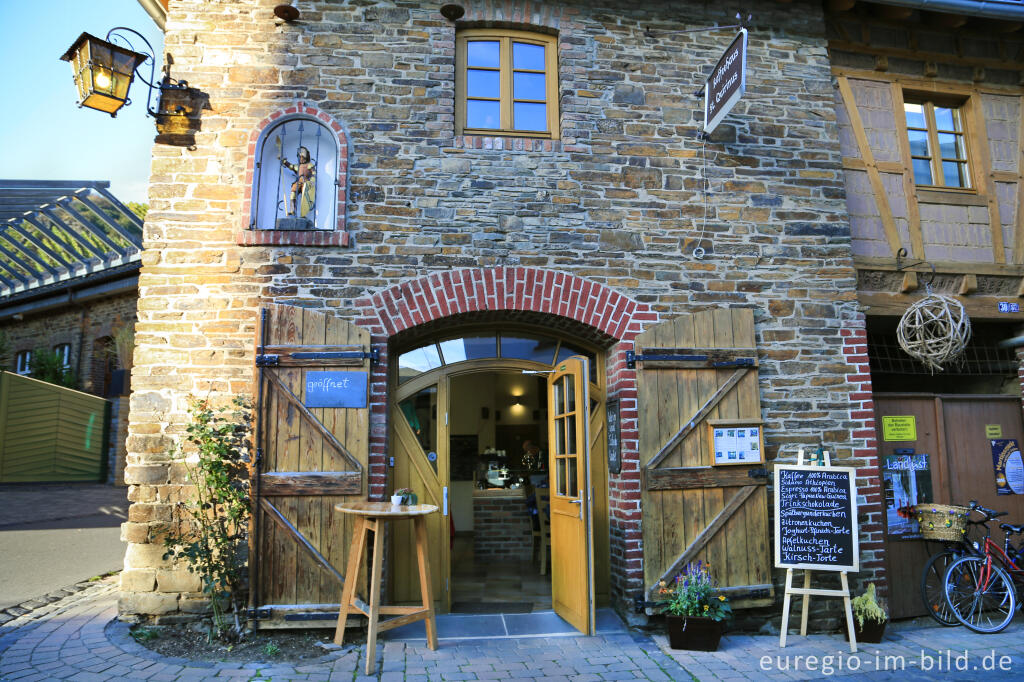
369, 516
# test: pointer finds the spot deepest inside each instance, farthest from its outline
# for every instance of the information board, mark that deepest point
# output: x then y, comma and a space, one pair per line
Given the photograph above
902, 427
336, 389
816, 518
736, 441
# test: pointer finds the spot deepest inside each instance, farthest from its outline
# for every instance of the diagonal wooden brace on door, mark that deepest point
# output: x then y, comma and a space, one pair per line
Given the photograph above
314, 422
296, 536
698, 417
704, 538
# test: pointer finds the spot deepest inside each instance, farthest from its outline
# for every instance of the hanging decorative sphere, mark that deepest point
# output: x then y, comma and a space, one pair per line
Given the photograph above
935, 330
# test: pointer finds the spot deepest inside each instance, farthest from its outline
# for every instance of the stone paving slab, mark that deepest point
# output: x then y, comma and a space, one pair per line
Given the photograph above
78, 637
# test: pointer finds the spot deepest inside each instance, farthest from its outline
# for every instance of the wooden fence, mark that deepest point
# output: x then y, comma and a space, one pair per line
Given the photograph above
51, 433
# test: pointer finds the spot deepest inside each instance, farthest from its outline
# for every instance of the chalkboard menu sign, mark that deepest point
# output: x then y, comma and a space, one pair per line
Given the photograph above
816, 518
614, 451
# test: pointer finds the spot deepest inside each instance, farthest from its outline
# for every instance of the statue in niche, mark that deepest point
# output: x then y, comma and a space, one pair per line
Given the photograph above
302, 197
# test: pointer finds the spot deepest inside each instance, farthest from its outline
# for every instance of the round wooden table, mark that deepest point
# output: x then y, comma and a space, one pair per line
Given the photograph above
369, 516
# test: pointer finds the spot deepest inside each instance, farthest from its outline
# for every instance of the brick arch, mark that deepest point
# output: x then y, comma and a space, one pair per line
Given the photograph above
444, 294
336, 237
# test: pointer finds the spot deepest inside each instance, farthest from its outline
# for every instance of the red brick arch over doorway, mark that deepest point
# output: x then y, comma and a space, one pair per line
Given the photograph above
555, 295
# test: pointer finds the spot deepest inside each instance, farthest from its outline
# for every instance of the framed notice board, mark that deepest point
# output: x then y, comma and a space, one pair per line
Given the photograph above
614, 437
816, 518
736, 441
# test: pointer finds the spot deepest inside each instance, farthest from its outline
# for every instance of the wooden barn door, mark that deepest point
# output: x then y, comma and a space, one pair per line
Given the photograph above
572, 547
309, 459
689, 370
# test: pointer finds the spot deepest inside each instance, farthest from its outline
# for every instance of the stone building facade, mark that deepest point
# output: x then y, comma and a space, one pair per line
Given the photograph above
592, 231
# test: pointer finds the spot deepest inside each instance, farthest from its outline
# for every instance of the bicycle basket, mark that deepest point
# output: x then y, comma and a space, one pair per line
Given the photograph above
942, 521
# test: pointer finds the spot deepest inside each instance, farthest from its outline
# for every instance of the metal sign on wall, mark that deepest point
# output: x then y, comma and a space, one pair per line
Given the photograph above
727, 82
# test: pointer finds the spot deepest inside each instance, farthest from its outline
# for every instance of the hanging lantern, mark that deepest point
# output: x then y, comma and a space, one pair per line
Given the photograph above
103, 72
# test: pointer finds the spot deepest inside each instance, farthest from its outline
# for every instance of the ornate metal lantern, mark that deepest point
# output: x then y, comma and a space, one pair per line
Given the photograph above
103, 72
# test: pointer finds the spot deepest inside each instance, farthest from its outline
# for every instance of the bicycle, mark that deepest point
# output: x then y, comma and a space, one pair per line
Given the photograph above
934, 573
981, 588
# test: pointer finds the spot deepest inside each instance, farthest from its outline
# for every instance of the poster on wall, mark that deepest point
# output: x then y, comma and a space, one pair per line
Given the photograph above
908, 482
1008, 465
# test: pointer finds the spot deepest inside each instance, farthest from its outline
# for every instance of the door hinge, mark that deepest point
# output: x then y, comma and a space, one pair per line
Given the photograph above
259, 613
259, 456
757, 473
267, 360
632, 358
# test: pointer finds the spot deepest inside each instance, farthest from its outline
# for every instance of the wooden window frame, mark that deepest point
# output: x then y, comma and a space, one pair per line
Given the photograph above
960, 104
506, 38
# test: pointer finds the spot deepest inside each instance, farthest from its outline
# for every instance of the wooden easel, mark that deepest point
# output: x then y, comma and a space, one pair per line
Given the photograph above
807, 591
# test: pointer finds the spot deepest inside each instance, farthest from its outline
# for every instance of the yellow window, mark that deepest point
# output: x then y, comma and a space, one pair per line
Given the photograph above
506, 83
938, 148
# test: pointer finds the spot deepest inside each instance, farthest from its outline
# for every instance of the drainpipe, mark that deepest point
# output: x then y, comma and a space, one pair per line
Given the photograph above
990, 9
156, 12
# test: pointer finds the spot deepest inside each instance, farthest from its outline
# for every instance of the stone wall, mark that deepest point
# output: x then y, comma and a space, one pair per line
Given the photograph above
616, 203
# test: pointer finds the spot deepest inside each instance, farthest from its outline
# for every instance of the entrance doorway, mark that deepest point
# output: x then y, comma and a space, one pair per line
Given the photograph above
470, 430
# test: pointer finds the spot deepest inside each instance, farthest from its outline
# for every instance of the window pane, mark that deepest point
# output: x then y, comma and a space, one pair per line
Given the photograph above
482, 53
915, 115
483, 83
923, 172
560, 436
418, 361
570, 433
955, 174
918, 142
529, 116
528, 86
559, 401
950, 146
538, 350
480, 114
570, 393
469, 348
420, 411
527, 56
572, 490
944, 119
560, 476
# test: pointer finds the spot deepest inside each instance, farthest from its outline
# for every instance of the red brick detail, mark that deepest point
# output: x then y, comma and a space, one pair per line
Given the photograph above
295, 237
558, 294
865, 448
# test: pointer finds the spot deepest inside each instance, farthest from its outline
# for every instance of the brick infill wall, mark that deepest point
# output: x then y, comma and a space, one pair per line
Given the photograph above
501, 529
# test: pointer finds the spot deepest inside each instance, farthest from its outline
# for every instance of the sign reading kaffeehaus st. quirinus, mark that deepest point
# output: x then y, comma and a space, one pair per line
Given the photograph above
727, 82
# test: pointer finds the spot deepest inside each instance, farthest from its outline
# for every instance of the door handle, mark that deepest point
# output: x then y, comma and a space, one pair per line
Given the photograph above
580, 503
445, 502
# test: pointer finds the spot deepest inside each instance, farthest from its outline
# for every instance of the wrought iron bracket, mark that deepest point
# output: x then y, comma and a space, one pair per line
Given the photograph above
258, 613
632, 358
267, 360
640, 604
902, 265
757, 473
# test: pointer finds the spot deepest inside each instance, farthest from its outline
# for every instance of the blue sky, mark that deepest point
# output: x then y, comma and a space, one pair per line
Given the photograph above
43, 133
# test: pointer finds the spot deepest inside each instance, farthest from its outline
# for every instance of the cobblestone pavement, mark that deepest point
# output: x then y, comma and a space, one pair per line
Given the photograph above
79, 638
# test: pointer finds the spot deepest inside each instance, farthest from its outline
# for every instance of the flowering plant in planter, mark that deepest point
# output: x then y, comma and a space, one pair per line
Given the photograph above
692, 594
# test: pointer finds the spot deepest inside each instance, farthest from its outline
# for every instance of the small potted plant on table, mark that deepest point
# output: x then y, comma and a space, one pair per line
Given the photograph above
403, 496
869, 618
694, 612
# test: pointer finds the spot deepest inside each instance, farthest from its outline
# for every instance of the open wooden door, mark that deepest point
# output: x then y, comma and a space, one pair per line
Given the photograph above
309, 458
572, 551
419, 445
692, 369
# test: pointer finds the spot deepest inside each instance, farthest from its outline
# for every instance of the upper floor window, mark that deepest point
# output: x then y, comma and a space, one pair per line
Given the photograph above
23, 362
506, 83
296, 175
938, 149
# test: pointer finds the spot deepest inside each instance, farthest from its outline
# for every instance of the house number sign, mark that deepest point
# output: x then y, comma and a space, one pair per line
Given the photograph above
336, 389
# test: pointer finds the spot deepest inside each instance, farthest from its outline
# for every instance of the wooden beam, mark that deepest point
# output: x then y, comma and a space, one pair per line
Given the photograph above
285, 525
983, 173
909, 282
1018, 227
316, 483
944, 267
950, 198
907, 173
928, 85
977, 307
698, 416
878, 187
694, 478
915, 55
704, 537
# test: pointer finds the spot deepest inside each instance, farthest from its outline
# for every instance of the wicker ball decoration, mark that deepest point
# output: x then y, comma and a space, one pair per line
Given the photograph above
935, 330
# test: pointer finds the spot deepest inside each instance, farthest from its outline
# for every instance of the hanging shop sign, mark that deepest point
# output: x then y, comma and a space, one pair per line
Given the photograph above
908, 482
1009, 467
816, 518
727, 82
903, 427
336, 389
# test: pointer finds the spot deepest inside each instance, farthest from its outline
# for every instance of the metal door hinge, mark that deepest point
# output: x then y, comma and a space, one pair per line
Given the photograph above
757, 473
259, 613
267, 360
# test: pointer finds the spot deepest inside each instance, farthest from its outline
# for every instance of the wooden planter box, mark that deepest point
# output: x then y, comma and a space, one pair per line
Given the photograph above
693, 634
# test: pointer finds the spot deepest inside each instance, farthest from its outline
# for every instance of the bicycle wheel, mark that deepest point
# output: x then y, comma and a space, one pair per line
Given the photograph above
932, 594
981, 598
